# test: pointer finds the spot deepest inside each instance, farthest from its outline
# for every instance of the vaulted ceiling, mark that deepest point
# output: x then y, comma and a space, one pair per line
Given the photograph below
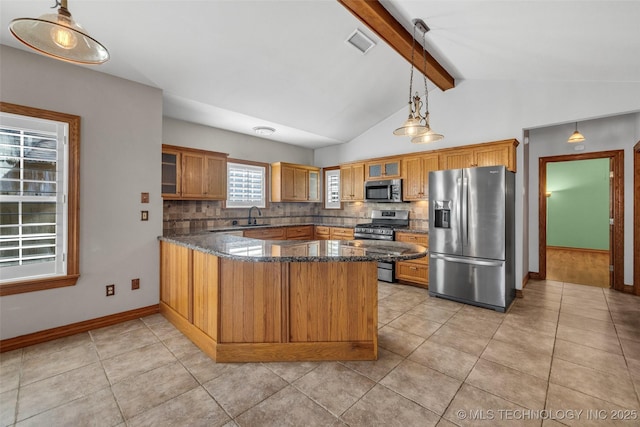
285, 64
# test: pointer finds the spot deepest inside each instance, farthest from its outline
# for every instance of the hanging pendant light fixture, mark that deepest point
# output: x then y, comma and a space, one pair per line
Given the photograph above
576, 136
59, 36
417, 125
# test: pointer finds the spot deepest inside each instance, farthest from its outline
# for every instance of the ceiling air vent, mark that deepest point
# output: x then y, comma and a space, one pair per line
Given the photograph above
361, 42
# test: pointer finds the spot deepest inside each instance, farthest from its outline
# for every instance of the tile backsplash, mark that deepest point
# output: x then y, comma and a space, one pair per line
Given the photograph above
192, 216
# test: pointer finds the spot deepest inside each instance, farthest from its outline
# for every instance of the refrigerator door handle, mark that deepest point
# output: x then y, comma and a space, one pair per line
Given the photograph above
464, 207
485, 263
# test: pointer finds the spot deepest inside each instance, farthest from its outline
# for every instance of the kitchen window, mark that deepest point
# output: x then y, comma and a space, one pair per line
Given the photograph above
39, 193
332, 188
246, 184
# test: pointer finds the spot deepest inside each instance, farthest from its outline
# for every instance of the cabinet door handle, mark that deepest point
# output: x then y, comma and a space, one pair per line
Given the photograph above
412, 268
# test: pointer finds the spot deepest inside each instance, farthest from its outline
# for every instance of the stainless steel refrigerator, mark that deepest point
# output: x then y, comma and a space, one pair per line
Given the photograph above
471, 236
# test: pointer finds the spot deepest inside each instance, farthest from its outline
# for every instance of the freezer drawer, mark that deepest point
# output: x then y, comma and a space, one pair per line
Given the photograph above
470, 280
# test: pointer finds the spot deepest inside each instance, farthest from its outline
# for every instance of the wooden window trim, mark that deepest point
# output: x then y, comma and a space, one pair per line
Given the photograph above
73, 204
324, 188
267, 179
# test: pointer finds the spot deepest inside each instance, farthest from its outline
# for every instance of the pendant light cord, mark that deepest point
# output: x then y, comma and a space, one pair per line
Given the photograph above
413, 50
424, 75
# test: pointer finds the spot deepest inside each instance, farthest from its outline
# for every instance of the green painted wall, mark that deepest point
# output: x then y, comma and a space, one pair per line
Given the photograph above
578, 208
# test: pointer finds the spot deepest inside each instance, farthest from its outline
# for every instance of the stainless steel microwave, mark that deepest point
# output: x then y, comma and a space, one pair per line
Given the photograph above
384, 191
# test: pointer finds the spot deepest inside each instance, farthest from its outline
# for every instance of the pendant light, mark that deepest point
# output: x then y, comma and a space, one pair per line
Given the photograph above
59, 36
576, 136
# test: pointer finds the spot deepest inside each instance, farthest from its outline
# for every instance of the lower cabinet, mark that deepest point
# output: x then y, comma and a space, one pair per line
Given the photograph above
322, 232
415, 271
301, 232
276, 233
341, 233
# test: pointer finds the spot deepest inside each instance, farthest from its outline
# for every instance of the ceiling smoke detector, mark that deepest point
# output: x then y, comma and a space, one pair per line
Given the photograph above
360, 41
264, 130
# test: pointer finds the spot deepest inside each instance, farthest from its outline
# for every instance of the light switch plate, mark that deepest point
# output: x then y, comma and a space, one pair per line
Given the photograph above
144, 197
144, 215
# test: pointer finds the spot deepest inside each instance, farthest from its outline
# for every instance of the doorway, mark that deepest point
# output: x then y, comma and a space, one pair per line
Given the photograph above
636, 218
616, 212
578, 212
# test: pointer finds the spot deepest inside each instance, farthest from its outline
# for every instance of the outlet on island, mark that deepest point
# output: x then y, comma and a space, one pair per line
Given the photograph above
111, 290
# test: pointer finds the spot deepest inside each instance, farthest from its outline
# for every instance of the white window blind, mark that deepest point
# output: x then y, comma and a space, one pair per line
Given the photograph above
33, 184
246, 185
332, 189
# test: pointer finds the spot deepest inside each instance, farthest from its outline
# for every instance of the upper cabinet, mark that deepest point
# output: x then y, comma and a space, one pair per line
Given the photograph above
193, 174
352, 182
416, 172
294, 183
383, 169
490, 154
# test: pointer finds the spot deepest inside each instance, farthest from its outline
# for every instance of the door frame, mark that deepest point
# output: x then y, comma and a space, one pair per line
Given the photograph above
616, 203
636, 218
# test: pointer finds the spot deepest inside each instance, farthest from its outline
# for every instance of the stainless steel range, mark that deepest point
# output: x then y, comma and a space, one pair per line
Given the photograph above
382, 227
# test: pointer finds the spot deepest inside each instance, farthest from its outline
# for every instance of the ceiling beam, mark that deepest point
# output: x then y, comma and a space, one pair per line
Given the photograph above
380, 21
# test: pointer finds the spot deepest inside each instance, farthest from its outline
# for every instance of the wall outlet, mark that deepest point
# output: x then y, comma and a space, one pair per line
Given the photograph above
135, 284
144, 215
111, 290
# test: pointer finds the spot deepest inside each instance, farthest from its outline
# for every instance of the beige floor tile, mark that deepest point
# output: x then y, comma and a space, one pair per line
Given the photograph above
164, 330
180, 346
136, 362
240, 388
48, 365
398, 302
445, 423
535, 299
112, 331
629, 334
154, 318
291, 371
627, 319
50, 347
415, 325
527, 324
443, 304
97, 409
613, 388
193, 408
474, 326
445, 359
475, 407
581, 322
586, 304
527, 360
482, 313
203, 368
9, 377
423, 385
631, 349
429, 312
386, 315
590, 357
516, 386
585, 409
591, 313
527, 339
288, 407
460, 340
145, 391
125, 342
334, 386
383, 407
8, 406
599, 340
534, 313
54, 391
9, 358
376, 369
397, 341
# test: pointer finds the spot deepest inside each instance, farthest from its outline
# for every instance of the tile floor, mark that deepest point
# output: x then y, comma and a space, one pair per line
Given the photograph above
563, 348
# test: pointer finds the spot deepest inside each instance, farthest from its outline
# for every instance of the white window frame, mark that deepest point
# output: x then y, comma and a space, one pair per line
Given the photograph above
259, 168
329, 176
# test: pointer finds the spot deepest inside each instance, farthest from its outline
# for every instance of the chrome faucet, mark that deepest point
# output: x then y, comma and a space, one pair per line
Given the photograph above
253, 220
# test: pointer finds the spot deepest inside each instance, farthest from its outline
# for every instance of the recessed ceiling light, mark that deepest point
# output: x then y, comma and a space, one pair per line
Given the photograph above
264, 130
360, 41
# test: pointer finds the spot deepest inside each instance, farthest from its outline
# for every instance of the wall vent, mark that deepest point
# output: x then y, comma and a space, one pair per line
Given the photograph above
360, 41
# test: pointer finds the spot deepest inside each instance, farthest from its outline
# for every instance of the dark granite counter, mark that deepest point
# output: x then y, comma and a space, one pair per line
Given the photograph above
246, 249
250, 227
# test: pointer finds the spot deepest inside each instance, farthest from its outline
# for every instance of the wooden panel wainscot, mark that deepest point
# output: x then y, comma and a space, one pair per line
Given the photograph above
176, 278
205, 293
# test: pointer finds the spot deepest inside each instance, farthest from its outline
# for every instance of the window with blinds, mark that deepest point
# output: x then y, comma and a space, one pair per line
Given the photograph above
246, 185
33, 214
332, 189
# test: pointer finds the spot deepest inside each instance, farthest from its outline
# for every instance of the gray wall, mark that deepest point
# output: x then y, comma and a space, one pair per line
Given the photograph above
121, 125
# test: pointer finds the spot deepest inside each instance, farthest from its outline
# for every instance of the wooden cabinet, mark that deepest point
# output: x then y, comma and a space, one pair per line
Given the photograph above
383, 169
322, 232
496, 153
294, 183
193, 174
415, 271
416, 170
275, 233
341, 233
301, 232
352, 182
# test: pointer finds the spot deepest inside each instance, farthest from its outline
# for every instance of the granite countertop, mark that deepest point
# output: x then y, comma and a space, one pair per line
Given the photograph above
246, 249
250, 227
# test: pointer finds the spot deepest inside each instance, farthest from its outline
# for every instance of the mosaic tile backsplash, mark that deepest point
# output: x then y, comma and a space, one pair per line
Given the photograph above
192, 216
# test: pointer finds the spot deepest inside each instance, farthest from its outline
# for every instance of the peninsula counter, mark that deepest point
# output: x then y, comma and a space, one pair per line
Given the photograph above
249, 300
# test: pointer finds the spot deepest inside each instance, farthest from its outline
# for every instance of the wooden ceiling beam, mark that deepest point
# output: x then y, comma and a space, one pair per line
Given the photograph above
380, 21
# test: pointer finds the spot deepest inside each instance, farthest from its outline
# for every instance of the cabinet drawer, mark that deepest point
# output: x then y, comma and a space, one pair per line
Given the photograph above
338, 233
412, 272
300, 232
266, 234
416, 238
322, 232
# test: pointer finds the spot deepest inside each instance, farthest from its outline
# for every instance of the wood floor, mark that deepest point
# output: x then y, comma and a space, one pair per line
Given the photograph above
582, 266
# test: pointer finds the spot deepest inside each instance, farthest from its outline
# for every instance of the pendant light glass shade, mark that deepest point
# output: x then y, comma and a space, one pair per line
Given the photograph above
576, 136
427, 137
58, 35
411, 127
